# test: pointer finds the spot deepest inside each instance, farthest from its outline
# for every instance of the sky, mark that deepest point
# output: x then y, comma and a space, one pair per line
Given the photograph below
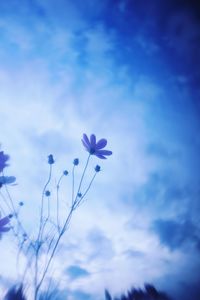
128, 71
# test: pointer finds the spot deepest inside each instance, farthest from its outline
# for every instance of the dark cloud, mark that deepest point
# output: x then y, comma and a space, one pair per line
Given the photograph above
158, 39
171, 29
173, 189
164, 191
176, 235
75, 272
189, 291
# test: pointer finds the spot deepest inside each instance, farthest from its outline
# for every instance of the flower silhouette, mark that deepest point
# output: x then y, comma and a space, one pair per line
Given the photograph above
7, 180
3, 160
95, 148
15, 293
3, 222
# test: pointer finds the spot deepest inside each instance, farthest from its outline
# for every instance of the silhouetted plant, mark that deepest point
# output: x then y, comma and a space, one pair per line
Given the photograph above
149, 293
15, 293
107, 295
52, 226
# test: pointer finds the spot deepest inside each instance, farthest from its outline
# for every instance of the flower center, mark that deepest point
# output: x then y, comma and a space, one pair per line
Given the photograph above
92, 150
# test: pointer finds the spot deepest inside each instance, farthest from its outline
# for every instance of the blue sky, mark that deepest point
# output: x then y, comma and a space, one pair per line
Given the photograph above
127, 71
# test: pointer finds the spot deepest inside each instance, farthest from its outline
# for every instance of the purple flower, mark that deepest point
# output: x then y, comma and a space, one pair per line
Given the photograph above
7, 180
3, 160
3, 222
95, 148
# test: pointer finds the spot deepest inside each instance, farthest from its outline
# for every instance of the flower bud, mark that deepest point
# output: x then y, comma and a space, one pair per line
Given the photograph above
76, 161
47, 193
97, 168
51, 160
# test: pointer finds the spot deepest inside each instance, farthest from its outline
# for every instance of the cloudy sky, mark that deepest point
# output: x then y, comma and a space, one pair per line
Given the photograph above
126, 70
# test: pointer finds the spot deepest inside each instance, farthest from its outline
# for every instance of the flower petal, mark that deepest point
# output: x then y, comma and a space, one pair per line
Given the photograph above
7, 179
10, 179
101, 144
103, 152
100, 156
93, 141
3, 160
4, 229
87, 147
4, 221
86, 140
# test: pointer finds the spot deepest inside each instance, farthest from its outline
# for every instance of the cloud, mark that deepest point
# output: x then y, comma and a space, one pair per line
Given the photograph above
131, 253
176, 235
58, 294
67, 68
81, 295
104, 249
161, 151
75, 272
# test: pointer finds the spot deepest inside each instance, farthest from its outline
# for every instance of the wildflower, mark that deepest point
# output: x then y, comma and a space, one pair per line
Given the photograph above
65, 172
3, 222
51, 160
47, 193
3, 160
95, 148
6, 180
97, 168
76, 161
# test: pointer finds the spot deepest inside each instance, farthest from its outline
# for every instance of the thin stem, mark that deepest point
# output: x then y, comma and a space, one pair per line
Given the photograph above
10, 198
36, 274
20, 226
82, 177
54, 250
40, 233
48, 216
73, 184
42, 204
86, 191
57, 201
28, 265
64, 228
89, 186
